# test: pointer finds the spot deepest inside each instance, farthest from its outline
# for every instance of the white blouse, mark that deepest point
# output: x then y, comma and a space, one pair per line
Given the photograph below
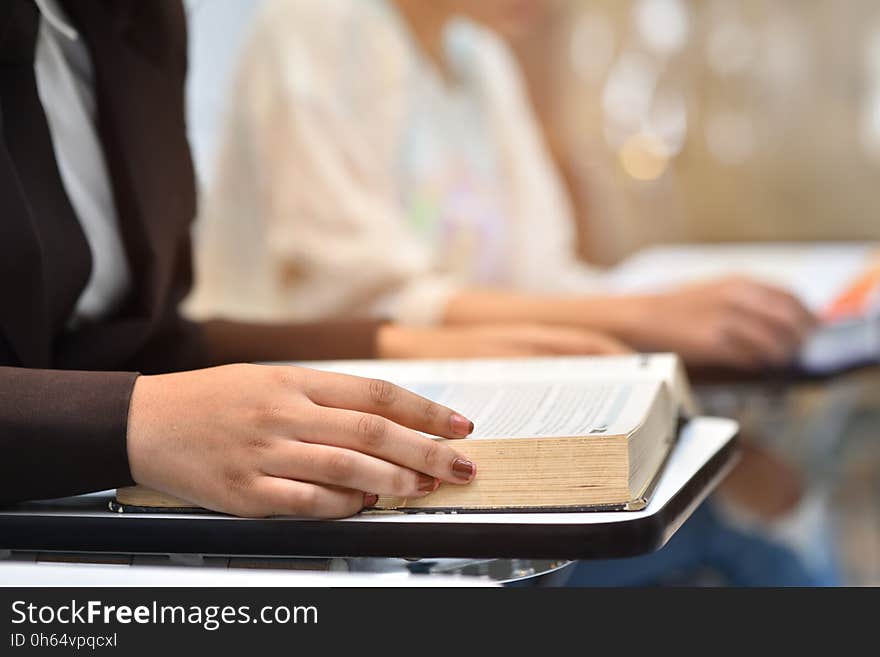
353, 178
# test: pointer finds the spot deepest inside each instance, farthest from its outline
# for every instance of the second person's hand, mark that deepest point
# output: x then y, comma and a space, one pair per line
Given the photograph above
735, 322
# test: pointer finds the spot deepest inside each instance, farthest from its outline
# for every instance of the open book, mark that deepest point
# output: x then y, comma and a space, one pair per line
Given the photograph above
565, 433
840, 282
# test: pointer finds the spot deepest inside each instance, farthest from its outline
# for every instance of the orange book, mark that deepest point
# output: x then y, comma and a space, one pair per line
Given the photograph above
857, 299
850, 332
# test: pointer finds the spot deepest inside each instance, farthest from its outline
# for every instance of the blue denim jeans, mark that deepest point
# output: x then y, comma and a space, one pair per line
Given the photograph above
706, 546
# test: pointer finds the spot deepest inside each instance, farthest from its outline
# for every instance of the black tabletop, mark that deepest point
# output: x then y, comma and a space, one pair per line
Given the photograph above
84, 524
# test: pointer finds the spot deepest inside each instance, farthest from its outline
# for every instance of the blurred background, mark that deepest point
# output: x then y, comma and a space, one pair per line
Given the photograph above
712, 120
674, 120
697, 121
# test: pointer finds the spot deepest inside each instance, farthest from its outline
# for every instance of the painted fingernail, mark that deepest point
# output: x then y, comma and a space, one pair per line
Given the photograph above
461, 425
427, 484
370, 499
464, 470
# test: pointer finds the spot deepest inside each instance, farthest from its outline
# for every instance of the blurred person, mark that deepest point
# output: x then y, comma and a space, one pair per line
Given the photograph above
102, 382
381, 156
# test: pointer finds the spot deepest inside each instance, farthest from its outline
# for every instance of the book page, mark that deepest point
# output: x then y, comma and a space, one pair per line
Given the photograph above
552, 369
816, 273
549, 369
555, 410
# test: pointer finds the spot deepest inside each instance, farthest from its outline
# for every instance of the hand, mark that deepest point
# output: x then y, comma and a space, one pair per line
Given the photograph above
258, 440
734, 322
493, 340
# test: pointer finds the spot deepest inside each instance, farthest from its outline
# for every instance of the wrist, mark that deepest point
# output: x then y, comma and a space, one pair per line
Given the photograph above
140, 418
399, 341
623, 317
391, 341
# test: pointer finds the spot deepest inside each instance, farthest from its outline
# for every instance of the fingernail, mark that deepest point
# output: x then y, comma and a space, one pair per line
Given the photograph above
461, 425
463, 469
427, 484
370, 499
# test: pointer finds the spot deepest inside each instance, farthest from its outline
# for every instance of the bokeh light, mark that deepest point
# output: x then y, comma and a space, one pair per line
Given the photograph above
662, 24
644, 157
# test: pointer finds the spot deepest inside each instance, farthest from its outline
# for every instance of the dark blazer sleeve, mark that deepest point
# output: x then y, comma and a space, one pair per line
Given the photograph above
237, 341
62, 432
179, 344
193, 345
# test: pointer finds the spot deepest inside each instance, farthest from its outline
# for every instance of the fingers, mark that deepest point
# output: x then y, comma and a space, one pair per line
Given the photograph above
605, 345
783, 312
745, 348
386, 440
755, 344
382, 398
283, 497
543, 340
769, 326
345, 468
792, 308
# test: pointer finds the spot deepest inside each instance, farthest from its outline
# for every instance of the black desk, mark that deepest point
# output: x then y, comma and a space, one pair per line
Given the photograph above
704, 454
